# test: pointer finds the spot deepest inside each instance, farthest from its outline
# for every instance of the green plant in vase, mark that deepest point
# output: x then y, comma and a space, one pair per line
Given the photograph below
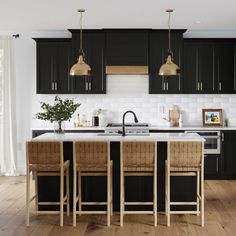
59, 112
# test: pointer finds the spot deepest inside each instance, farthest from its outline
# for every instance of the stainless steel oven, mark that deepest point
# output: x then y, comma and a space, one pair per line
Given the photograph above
212, 144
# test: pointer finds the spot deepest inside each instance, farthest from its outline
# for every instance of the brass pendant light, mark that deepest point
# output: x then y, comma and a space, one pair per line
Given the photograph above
169, 68
81, 67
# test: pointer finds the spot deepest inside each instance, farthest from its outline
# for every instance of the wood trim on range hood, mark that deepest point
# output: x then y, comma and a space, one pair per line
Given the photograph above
127, 70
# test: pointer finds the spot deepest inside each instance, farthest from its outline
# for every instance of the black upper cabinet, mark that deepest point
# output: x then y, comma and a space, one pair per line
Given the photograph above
53, 65
126, 47
226, 66
93, 46
199, 67
158, 50
209, 66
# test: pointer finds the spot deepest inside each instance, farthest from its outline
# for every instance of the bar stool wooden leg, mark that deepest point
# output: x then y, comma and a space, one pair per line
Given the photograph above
27, 197
202, 199
121, 198
36, 191
111, 187
168, 198
67, 192
198, 192
79, 192
155, 197
166, 192
61, 198
74, 196
108, 197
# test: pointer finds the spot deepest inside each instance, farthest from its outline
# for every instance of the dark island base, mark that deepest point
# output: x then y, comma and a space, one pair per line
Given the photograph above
137, 188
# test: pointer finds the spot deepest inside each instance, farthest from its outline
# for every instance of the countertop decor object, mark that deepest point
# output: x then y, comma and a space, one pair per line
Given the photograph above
212, 117
169, 68
59, 112
81, 68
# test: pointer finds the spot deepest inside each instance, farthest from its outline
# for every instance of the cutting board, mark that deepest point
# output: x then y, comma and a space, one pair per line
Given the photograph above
174, 117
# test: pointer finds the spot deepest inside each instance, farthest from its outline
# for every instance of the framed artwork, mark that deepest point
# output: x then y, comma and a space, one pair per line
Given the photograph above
212, 117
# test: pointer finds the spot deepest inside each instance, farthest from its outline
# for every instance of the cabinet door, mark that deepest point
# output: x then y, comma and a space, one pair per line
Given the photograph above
93, 46
46, 67
53, 65
212, 166
228, 158
191, 83
206, 67
63, 59
175, 83
126, 47
226, 68
158, 49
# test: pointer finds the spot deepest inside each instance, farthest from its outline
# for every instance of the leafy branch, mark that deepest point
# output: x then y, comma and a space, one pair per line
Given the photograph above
61, 110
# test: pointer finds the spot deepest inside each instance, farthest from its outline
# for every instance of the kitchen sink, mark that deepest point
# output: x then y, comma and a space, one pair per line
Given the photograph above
115, 134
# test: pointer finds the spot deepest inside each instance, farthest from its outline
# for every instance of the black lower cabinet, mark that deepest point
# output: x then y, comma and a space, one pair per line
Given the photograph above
228, 157
212, 166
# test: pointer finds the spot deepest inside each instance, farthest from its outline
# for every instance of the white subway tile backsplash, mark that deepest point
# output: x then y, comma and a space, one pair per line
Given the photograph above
131, 93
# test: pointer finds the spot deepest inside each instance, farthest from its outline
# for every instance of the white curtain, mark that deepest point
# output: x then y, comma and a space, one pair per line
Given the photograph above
7, 108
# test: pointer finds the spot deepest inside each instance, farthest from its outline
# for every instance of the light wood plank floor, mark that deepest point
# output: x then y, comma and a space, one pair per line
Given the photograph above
220, 214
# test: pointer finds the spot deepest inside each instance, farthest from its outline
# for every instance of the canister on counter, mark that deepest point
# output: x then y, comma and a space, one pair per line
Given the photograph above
95, 121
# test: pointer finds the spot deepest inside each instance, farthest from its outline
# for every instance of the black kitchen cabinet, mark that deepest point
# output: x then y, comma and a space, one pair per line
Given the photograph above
228, 157
212, 166
126, 47
158, 50
199, 66
93, 46
209, 66
226, 67
53, 65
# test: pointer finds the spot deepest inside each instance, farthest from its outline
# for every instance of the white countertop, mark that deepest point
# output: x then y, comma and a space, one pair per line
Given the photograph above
192, 128
159, 137
150, 127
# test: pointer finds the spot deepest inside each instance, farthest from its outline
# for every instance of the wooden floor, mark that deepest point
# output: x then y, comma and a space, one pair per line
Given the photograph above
220, 214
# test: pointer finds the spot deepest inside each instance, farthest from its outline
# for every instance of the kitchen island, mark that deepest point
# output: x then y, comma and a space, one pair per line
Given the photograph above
138, 188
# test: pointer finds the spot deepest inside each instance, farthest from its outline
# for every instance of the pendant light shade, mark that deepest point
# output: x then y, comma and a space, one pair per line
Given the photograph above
169, 68
81, 68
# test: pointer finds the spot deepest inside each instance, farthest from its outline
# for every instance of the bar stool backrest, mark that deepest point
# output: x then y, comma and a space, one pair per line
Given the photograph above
138, 156
44, 152
185, 154
91, 153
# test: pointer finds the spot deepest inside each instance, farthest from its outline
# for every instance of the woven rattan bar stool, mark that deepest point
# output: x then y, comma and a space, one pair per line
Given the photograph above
46, 159
91, 159
138, 159
185, 159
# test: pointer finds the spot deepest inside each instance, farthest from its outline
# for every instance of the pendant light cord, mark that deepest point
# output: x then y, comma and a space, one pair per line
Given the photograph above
169, 35
81, 36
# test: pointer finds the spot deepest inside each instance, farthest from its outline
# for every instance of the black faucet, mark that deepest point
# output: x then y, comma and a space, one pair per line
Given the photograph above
123, 121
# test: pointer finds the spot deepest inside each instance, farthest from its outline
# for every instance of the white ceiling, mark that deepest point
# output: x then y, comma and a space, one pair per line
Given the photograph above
61, 14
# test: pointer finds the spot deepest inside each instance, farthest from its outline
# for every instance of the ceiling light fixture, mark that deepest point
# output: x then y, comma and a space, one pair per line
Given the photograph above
81, 67
169, 68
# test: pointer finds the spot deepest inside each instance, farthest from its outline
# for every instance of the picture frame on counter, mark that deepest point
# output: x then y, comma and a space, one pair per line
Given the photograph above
212, 117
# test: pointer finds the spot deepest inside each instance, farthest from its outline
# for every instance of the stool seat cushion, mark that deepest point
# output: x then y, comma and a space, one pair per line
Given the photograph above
48, 167
185, 168
139, 168
91, 167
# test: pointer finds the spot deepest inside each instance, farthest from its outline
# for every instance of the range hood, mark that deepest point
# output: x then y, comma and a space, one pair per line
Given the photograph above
127, 70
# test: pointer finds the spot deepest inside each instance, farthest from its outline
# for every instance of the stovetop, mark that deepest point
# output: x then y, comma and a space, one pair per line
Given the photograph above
128, 125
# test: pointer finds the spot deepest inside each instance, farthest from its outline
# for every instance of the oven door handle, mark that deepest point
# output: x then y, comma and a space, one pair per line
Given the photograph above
211, 137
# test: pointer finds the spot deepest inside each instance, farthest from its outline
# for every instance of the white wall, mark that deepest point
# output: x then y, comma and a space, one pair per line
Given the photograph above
131, 93
123, 93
